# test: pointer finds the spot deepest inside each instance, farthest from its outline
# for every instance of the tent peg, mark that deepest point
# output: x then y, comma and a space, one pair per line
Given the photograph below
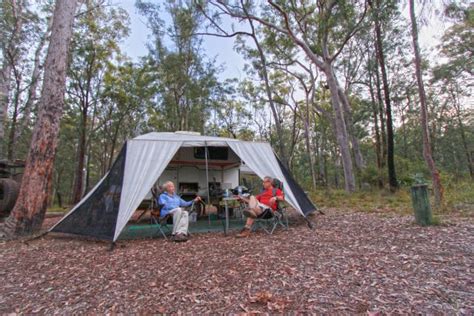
308, 222
35, 237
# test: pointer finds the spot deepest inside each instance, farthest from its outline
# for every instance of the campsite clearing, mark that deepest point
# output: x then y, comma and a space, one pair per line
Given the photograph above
351, 263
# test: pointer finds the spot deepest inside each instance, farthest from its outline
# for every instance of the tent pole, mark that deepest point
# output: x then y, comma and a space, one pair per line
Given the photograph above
207, 184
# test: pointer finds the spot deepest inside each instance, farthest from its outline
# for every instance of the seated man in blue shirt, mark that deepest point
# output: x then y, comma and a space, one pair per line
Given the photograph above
172, 204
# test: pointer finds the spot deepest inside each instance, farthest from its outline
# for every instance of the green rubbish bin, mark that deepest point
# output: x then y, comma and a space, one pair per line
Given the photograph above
421, 204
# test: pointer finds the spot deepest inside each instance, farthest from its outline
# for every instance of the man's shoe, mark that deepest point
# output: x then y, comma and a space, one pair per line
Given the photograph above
180, 238
245, 232
249, 213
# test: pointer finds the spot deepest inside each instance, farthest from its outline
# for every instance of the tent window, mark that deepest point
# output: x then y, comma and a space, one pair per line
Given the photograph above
215, 153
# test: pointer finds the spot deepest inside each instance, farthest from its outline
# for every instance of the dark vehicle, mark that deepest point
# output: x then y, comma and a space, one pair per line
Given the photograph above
11, 173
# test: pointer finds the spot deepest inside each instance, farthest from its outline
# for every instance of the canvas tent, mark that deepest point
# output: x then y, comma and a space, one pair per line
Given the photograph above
106, 209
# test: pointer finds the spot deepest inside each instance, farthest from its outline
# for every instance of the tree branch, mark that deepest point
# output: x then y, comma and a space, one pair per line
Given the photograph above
352, 33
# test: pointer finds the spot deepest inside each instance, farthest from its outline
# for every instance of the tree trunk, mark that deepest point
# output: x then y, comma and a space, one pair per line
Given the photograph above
336, 168
378, 145
14, 120
78, 186
463, 137
323, 168
309, 150
10, 53
392, 178
5, 78
383, 130
358, 158
341, 130
404, 127
264, 75
437, 186
30, 208
32, 89
279, 128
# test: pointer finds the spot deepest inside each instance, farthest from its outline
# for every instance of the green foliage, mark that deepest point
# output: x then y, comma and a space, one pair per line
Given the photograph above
175, 86
186, 81
456, 46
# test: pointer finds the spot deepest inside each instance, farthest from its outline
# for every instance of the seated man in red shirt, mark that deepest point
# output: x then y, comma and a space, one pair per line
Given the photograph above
258, 204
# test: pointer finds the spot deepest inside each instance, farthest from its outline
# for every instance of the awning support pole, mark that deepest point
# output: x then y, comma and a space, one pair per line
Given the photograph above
207, 184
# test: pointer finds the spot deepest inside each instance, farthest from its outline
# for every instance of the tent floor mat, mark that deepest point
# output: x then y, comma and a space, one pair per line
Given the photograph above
137, 231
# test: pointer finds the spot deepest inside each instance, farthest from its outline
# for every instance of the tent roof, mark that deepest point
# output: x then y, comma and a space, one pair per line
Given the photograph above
185, 137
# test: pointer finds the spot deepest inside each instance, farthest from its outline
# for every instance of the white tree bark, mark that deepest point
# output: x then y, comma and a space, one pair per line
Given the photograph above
341, 129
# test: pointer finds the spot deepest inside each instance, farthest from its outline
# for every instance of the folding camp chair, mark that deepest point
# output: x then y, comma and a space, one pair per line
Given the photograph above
162, 223
269, 220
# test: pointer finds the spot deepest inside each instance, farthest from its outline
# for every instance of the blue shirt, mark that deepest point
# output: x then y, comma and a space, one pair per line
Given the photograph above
171, 202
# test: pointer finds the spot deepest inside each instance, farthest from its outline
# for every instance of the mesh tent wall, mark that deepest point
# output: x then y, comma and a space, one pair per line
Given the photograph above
106, 209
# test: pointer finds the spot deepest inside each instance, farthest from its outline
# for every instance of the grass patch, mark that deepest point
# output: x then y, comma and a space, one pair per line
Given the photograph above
459, 198
57, 209
366, 201
436, 221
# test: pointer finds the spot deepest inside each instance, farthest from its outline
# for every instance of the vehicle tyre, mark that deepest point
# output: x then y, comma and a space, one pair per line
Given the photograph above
8, 193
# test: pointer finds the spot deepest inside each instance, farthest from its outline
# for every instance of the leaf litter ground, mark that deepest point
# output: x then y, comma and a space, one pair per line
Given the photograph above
350, 263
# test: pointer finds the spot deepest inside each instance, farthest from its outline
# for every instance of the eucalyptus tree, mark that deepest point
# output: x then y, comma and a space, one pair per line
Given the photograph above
320, 30
30, 208
427, 151
185, 77
96, 38
454, 75
457, 43
257, 57
19, 24
19, 132
302, 79
11, 12
128, 91
265, 53
381, 13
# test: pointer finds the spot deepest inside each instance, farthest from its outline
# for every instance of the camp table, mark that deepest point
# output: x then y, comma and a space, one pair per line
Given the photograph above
226, 201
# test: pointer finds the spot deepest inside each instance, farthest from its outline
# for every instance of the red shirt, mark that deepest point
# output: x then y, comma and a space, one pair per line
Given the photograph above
266, 195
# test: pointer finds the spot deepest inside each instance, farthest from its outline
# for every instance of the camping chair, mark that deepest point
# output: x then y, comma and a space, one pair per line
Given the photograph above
155, 219
269, 220
163, 223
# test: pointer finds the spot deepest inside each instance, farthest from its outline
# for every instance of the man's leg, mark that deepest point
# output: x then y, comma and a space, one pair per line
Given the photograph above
253, 212
253, 205
177, 213
183, 223
249, 222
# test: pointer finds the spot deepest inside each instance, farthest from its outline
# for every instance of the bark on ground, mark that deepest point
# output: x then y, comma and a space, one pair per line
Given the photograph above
351, 263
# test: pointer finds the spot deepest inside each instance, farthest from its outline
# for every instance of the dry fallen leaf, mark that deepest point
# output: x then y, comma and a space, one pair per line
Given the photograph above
261, 297
353, 263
